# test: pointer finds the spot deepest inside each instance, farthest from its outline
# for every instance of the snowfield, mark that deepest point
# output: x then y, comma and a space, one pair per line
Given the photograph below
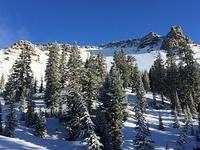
55, 140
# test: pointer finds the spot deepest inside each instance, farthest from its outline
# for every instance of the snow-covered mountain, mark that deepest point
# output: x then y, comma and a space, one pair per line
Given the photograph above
144, 49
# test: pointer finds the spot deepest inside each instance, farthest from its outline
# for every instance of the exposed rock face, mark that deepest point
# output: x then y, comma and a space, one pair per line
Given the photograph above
149, 40
174, 39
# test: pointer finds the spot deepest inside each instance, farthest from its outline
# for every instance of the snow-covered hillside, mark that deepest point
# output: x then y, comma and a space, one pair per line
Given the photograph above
24, 138
144, 49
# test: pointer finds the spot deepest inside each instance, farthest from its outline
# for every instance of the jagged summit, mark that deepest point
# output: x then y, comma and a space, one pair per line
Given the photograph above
149, 40
175, 38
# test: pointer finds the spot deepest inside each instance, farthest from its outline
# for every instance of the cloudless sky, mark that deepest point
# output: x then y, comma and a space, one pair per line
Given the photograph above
94, 21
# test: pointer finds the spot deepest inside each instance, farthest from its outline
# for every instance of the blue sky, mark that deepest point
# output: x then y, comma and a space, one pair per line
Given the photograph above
94, 21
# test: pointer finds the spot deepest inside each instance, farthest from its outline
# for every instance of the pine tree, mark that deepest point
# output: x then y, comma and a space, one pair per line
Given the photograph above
41, 85
158, 77
30, 114
52, 77
40, 127
1, 123
11, 121
123, 63
93, 142
74, 99
145, 80
142, 140
101, 67
20, 79
140, 92
63, 65
91, 83
182, 140
2, 84
114, 107
161, 126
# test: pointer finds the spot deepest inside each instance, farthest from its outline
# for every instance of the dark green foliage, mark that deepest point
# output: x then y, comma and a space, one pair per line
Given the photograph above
157, 77
40, 126
145, 80
92, 80
63, 65
11, 121
140, 93
123, 63
114, 108
52, 77
30, 114
19, 86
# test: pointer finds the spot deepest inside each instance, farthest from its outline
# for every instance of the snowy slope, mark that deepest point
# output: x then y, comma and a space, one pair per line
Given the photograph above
161, 138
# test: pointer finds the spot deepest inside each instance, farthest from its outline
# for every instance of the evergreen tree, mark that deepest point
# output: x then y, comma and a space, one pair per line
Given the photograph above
91, 83
41, 85
140, 92
19, 85
145, 80
124, 64
142, 140
114, 107
52, 77
93, 142
30, 114
158, 77
182, 140
101, 67
40, 126
2, 84
11, 121
75, 102
63, 65
161, 126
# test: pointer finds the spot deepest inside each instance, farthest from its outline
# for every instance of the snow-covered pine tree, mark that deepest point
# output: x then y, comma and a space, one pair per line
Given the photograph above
182, 140
124, 64
20, 80
2, 84
161, 126
41, 85
91, 83
11, 121
63, 65
40, 126
140, 92
30, 114
101, 67
1, 123
52, 77
114, 106
142, 140
74, 99
145, 80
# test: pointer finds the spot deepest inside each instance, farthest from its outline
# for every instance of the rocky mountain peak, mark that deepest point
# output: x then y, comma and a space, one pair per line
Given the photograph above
149, 40
175, 38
